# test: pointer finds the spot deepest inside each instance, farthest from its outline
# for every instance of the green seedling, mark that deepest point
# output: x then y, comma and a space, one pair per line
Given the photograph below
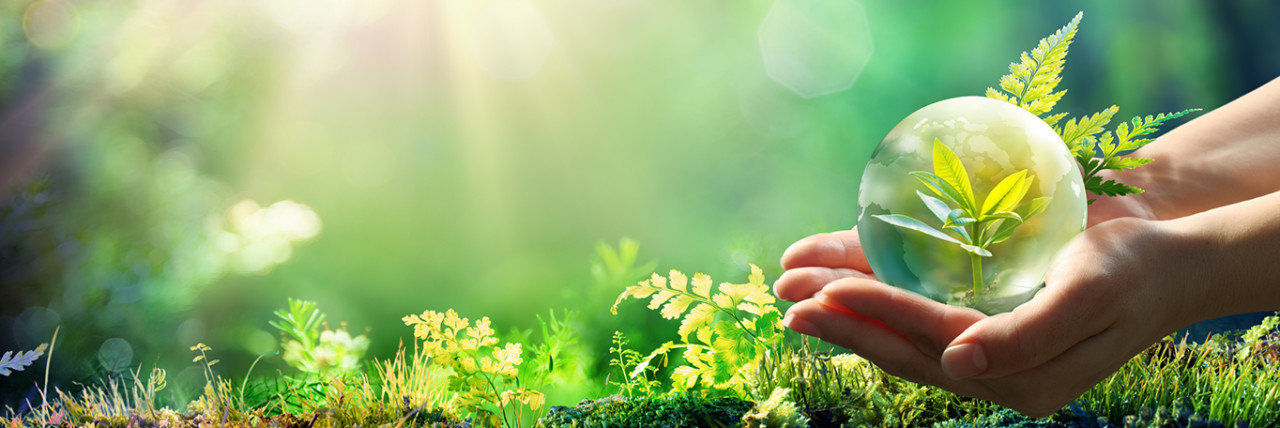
972, 225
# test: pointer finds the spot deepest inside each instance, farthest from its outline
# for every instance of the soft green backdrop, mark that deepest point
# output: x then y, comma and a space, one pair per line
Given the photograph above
447, 171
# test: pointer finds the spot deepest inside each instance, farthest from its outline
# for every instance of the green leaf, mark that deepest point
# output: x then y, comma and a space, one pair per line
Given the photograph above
1033, 208
1007, 215
1113, 188
957, 218
949, 168
916, 225
1004, 231
940, 187
1031, 80
698, 318
1007, 193
939, 208
976, 250
1118, 163
1076, 131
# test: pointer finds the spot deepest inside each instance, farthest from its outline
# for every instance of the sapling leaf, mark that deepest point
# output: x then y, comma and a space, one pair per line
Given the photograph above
916, 225
939, 208
949, 168
964, 234
1009, 215
940, 187
1033, 208
1004, 231
976, 250
957, 218
1006, 194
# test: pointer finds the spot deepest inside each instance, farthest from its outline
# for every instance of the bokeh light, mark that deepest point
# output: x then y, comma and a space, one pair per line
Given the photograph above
816, 48
50, 24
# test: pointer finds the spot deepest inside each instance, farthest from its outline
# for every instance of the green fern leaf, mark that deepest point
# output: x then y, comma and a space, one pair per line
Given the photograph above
1076, 132
676, 306
1118, 163
698, 319
1031, 81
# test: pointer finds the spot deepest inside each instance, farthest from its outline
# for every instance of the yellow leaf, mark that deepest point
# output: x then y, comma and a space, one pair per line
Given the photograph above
701, 284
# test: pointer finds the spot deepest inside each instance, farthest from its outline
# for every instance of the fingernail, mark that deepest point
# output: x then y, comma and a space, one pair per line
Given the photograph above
800, 325
964, 361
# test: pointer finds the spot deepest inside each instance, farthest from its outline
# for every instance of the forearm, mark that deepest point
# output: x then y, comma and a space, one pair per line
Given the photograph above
1227, 155
1234, 254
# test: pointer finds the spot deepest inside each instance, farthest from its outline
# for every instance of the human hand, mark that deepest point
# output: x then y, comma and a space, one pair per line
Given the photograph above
1096, 312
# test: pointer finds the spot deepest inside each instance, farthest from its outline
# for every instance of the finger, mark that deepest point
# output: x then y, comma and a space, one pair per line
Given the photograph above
1060, 316
873, 340
930, 325
835, 250
800, 283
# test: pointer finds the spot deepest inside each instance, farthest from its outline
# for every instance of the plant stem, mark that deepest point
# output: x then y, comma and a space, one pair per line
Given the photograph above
976, 261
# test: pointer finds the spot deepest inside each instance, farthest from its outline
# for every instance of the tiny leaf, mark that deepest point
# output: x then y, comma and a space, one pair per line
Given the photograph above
916, 225
976, 250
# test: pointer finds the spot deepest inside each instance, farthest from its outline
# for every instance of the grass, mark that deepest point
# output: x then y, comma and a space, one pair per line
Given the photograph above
457, 374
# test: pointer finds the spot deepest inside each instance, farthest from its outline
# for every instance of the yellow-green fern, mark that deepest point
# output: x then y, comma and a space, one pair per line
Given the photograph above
1030, 84
731, 326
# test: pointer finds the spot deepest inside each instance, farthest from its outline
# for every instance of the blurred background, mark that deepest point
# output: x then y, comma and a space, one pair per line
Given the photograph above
172, 170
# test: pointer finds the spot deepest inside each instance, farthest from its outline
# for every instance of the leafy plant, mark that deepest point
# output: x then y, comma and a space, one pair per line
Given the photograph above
972, 225
732, 327
16, 362
483, 374
313, 351
634, 368
1030, 84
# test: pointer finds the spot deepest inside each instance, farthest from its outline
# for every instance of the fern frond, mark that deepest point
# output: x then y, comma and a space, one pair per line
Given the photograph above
1076, 132
1031, 81
732, 325
21, 360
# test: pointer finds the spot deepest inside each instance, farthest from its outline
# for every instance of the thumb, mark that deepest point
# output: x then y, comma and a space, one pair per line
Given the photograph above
1034, 333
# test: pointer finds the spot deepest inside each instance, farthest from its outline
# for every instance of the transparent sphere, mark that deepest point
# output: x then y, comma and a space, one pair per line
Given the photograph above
993, 140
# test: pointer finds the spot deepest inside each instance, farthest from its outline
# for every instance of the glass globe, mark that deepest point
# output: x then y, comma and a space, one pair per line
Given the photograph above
993, 140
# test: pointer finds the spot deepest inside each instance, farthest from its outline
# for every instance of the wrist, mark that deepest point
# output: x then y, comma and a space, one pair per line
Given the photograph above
1233, 253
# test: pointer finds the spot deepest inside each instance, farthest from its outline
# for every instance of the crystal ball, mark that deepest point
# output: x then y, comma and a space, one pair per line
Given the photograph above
993, 140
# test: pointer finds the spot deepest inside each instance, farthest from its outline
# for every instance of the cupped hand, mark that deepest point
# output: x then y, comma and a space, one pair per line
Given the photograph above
1120, 286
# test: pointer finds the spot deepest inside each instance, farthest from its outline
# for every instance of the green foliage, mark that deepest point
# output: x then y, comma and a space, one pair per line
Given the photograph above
1208, 378
1030, 84
731, 327
10, 361
1031, 81
1259, 338
974, 226
1127, 138
310, 350
777, 411
485, 376
635, 370
675, 411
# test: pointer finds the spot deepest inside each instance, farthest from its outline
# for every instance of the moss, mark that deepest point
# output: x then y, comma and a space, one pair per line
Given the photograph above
686, 410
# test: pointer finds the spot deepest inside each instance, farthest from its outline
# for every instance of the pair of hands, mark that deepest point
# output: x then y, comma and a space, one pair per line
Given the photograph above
1121, 285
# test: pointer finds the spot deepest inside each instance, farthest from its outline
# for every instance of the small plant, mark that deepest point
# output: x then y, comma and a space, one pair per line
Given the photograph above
313, 351
975, 226
484, 374
731, 328
1030, 84
634, 368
